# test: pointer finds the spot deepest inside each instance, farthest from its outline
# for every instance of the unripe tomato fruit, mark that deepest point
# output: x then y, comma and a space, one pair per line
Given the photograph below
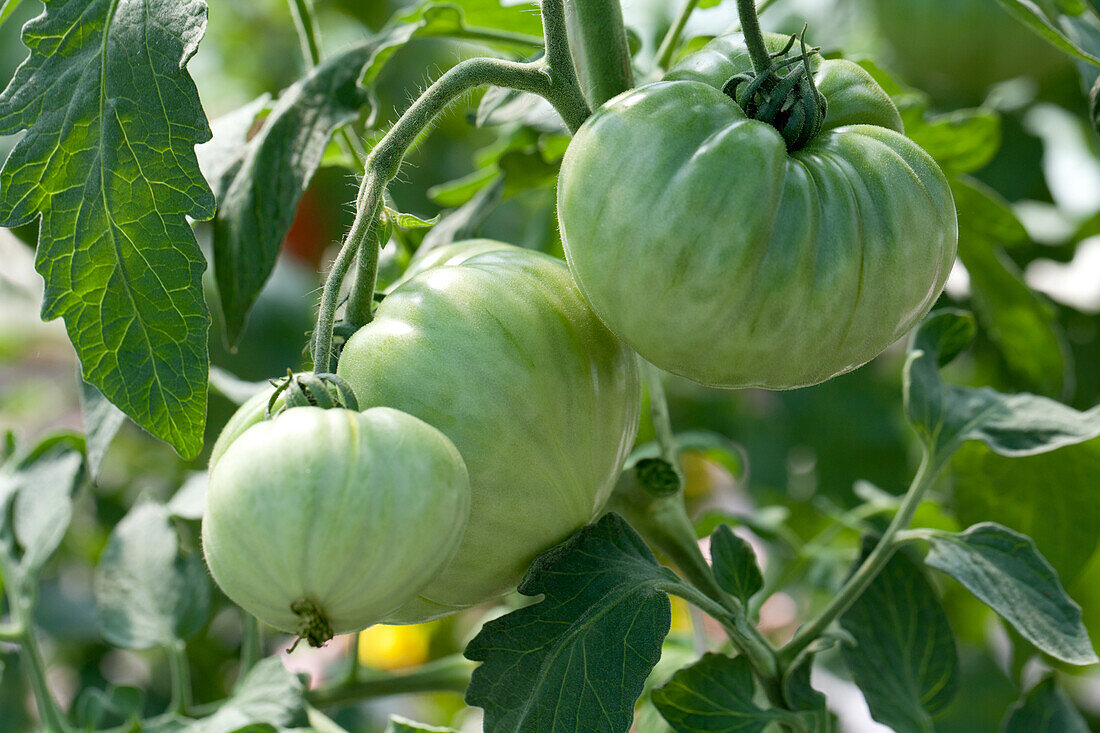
722, 257
502, 355
321, 522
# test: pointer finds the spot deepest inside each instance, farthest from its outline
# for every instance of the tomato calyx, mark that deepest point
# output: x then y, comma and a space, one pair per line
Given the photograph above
657, 476
327, 391
313, 624
783, 95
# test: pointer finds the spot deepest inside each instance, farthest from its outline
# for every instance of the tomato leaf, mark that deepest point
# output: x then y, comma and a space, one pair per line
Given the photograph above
269, 694
583, 652
258, 197
108, 162
961, 141
947, 415
1049, 497
102, 421
115, 706
734, 563
1006, 572
715, 693
904, 659
399, 724
1022, 325
801, 696
149, 591
1028, 13
36, 503
1044, 709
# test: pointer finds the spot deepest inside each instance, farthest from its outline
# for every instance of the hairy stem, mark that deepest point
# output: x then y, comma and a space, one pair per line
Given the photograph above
447, 674
668, 45
754, 37
551, 78
862, 577
601, 53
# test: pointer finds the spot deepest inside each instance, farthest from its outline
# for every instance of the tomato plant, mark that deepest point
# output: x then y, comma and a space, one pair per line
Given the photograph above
670, 374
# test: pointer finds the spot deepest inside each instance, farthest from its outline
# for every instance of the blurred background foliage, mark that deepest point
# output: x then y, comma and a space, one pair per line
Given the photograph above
1030, 204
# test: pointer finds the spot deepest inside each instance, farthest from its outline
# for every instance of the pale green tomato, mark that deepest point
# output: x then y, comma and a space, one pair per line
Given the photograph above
502, 355
720, 256
352, 513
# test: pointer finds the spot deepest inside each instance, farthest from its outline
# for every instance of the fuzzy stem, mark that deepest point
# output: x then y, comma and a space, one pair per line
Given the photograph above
538, 77
862, 577
601, 53
754, 37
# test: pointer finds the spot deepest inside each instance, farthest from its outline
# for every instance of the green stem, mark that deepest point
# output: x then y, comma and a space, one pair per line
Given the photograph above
11, 633
251, 642
181, 679
447, 674
754, 37
668, 45
859, 580
306, 23
551, 78
662, 420
353, 662
52, 718
601, 53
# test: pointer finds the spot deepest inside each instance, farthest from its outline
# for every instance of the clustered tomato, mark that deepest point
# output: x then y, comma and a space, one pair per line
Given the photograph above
499, 407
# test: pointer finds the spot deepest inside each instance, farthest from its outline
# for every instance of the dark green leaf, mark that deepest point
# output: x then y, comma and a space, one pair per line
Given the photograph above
403, 725
734, 563
149, 592
1028, 13
102, 421
220, 158
583, 652
1044, 710
714, 694
945, 415
1022, 325
961, 141
36, 502
1049, 497
258, 197
801, 696
268, 694
108, 161
904, 659
1005, 571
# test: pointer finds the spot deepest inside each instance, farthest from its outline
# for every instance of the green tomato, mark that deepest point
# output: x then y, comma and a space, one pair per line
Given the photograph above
502, 355
321, 522
956, 49
449, 254
722, 257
